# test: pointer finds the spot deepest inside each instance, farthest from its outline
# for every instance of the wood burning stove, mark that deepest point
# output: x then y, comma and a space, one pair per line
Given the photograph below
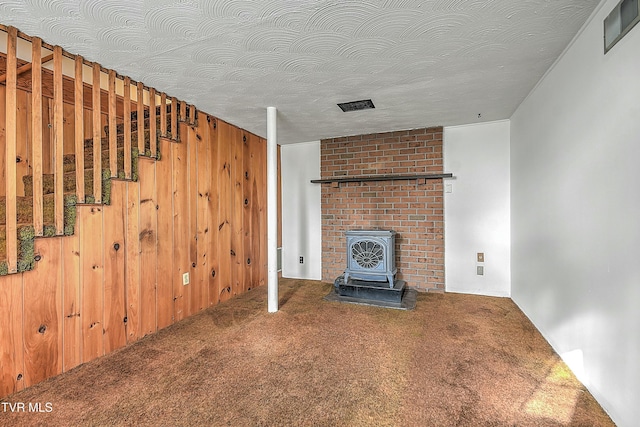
370, 276
371, 256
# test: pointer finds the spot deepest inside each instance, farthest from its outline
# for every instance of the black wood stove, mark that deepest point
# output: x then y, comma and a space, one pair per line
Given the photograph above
370, 276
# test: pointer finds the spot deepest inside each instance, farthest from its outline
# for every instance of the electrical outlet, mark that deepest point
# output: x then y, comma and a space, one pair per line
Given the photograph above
480, 270
480, 256
301, 260
185, 278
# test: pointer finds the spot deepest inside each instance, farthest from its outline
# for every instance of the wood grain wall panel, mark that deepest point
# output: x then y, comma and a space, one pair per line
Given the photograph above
174, 118
225, 189
79, 128
3, 96
113, 143
153, 131
9, 176
214, 203
71, 302
88, 127
96, 122
23, 139
11, 335
165, 235
68, 127
163, 115
47, 135
140, 116
92, 273
43, 314
237, 239
181, 259
114, 268
58, 139
262, 202
148, 245
200, 290
132, 263
126, 100
193, 211
36, 134
250, 206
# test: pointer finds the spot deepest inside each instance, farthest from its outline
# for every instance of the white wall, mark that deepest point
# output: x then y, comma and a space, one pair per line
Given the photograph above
575, 209
301, 217
477, 208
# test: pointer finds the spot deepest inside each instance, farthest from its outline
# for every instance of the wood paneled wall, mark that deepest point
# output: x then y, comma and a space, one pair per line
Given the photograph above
200, 209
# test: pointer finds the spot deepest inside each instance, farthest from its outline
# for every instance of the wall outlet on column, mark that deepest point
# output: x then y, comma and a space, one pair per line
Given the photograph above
480, 256
185, 279
480, 270
301, 260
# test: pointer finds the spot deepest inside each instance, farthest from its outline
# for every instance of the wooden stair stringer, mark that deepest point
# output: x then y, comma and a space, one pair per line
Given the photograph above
26, 231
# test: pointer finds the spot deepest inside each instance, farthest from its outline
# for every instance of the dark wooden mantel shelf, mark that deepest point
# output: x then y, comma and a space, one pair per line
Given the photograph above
381, 178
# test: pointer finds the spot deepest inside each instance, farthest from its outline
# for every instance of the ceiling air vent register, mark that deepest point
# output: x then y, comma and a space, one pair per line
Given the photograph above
365, 104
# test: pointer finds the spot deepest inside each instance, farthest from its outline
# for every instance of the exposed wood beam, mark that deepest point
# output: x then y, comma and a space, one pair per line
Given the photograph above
26, 67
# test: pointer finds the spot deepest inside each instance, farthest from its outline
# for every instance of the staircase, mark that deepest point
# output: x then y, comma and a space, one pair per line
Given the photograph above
26, 231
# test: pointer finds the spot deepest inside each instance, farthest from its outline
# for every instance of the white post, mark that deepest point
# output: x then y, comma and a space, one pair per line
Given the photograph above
272, 209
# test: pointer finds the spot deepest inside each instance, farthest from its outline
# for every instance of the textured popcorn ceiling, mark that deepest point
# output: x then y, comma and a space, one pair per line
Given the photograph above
423, 63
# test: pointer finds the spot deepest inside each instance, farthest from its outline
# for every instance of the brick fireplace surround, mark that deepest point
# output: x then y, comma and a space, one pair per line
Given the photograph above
414, 209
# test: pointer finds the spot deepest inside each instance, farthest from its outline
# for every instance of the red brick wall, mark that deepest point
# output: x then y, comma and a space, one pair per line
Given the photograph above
414, 209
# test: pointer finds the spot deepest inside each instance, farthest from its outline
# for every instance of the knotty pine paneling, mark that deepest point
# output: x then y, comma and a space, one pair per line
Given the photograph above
225, 191
214, 203
71, 325
185, 214
148, 245
132, 262
200, 289
43, 314
180, 194
165, 235
92, 286
11, 335
114, 268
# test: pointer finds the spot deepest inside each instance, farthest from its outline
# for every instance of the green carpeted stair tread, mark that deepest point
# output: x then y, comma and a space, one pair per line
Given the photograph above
24, 208
69, 160
134, 126
69, 183
25, 249
104, 141
26, 231
24, 204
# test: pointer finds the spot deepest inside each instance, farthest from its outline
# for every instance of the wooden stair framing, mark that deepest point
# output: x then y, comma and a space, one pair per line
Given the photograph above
47, 208
186, 196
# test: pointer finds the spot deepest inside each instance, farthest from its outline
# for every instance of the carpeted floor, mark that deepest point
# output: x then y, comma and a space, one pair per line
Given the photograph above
456, 360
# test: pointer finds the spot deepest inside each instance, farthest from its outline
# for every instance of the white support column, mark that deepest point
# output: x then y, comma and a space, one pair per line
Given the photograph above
272, 209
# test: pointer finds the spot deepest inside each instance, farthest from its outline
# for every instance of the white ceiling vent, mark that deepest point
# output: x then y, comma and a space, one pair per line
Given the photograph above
365, 104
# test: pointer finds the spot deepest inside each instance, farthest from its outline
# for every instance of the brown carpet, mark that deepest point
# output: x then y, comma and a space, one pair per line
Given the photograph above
456, 360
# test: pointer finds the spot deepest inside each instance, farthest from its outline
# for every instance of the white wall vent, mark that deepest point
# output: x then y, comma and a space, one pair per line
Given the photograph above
620, 21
